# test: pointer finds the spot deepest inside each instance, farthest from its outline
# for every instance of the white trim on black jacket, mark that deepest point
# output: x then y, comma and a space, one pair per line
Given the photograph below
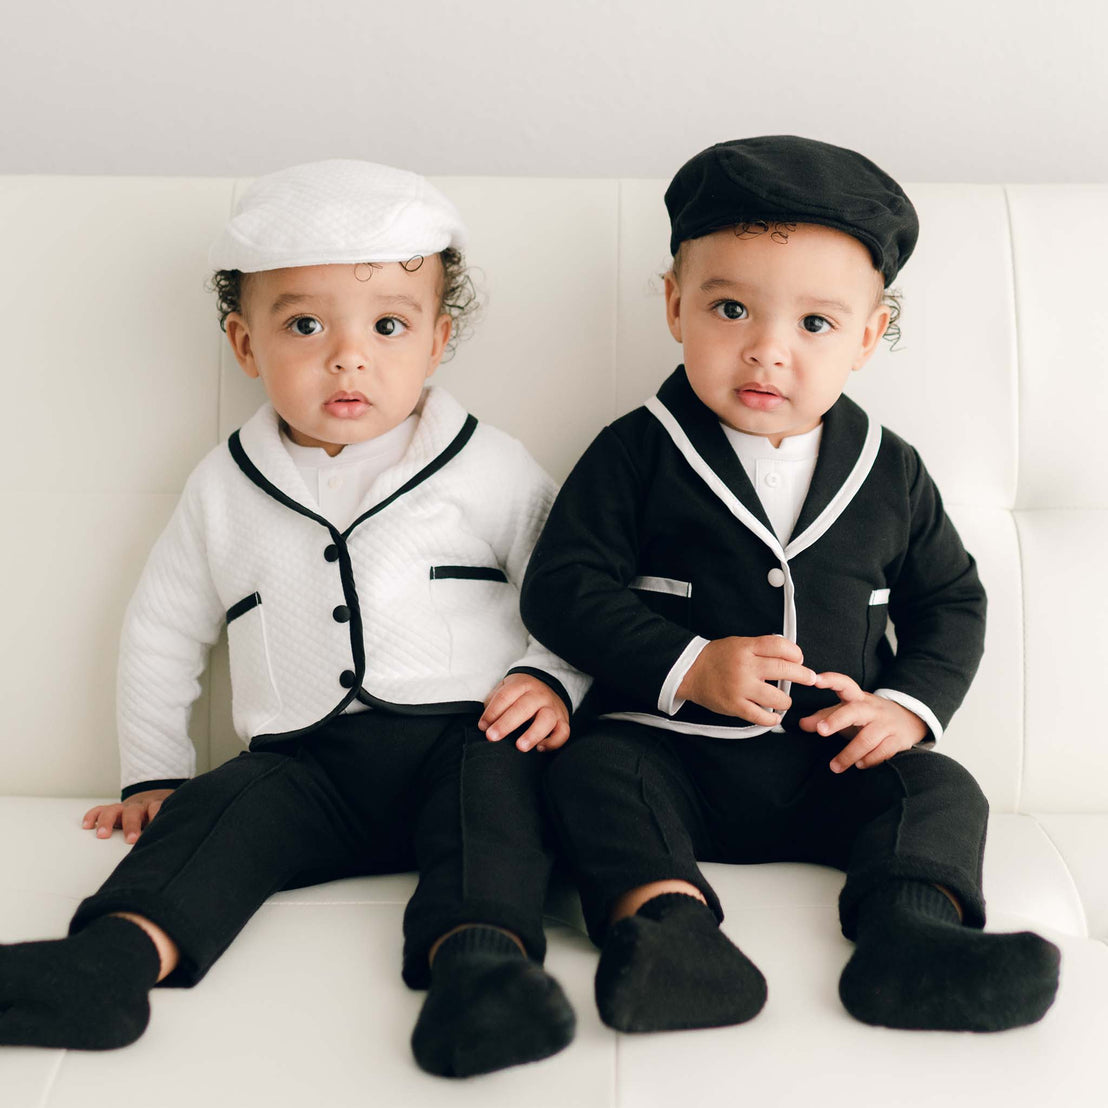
660, 495
413, 607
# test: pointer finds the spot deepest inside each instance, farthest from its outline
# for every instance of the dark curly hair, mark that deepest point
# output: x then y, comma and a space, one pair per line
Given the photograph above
457, 292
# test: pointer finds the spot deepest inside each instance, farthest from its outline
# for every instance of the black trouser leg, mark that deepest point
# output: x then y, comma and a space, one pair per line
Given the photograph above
479, 844
220, 845
929, 825
627, 814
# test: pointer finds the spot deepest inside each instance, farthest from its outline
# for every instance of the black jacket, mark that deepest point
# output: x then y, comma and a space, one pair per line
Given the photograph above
661, 495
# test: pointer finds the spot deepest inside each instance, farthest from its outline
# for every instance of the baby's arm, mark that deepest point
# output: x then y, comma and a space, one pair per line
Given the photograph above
173, 618
878, 728
540, 687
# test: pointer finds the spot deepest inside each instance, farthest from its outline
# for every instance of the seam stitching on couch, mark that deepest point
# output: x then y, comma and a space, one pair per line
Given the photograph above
1017, 401
1069, 874
617, 307
52, 1080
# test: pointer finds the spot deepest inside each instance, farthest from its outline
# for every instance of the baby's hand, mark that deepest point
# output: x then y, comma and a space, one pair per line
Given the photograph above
519, 698
132, 814
877, 728
732, 677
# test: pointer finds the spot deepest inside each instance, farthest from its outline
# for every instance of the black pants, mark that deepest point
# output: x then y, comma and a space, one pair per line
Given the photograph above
364, 794
634, 804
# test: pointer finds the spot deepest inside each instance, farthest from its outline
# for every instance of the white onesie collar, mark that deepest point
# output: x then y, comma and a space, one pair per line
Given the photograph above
391, 443
793, 448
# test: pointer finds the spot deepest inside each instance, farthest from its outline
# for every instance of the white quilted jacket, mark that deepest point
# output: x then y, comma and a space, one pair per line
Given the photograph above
415, 605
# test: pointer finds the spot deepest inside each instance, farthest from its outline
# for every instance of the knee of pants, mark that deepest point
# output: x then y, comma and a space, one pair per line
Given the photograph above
573, 768
928, 770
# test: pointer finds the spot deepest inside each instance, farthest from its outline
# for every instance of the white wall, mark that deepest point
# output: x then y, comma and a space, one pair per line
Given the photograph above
934, 90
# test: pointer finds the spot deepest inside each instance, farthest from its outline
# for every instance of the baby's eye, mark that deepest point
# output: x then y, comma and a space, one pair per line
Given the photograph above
816, 324
390, 325
305, 325
730, 309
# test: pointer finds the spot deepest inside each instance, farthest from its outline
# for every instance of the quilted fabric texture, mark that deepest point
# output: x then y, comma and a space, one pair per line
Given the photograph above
426, 640
338, 211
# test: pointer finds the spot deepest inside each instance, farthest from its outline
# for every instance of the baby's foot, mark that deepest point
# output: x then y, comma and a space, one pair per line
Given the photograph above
488, 1007
916, 966
87, 992
670, 967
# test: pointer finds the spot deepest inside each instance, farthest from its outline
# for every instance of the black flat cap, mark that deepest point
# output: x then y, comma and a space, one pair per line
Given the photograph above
785, 179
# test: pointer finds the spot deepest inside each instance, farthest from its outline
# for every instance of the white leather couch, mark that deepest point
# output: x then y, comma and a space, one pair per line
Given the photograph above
116, 380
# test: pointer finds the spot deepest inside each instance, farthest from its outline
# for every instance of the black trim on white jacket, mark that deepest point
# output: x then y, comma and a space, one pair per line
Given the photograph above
323, 617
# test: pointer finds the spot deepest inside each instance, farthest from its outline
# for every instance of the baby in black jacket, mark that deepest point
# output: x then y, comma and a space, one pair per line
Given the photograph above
724, 562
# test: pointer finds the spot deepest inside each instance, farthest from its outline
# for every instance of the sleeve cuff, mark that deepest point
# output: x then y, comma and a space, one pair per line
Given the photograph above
668, 700
916, 706
143, 786
547, 679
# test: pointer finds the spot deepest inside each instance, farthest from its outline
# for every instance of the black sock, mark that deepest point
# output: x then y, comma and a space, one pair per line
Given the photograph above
916, 966
489, 1006
670, 967
87, 992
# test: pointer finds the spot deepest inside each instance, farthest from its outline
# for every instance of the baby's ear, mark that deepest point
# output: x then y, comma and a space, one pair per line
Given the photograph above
876, 326
238, 335
673, 304
444, 327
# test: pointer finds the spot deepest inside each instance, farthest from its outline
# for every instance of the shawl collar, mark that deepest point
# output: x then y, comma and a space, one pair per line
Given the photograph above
848, 448
441, 423
701, 425
845, 427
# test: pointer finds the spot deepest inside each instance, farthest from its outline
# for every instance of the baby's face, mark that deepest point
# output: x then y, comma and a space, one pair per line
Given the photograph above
343, 350
771, 330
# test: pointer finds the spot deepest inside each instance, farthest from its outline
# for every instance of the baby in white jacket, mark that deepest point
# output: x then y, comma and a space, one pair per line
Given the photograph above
363, 539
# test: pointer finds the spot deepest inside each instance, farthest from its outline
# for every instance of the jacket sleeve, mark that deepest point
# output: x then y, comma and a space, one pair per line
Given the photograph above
171, 622
527, 496
576, 596
937, 605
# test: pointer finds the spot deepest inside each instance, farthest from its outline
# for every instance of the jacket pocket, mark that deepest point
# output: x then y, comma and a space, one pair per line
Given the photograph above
877, 623
468, 573
479, 609
255, 701
667, 596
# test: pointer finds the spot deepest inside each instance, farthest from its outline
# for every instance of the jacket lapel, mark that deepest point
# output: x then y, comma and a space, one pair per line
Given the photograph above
260, 440
844, 435
702, 427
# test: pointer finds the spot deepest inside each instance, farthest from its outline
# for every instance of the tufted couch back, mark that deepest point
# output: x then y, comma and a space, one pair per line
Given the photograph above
117, 380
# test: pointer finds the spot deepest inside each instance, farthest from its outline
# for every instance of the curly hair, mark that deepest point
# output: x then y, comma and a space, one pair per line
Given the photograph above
457, 293
779, 232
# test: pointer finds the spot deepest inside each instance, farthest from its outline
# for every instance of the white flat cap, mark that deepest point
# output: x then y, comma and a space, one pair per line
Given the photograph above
336, 212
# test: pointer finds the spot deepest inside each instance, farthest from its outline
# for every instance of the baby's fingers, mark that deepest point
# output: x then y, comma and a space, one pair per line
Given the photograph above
514, 715
498, 702
778, 669
543, 728
841, 717
880, 753
846, 687
777, 646
107, 820
756, 713
812, 722
88, 820
132, 820
866, 741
